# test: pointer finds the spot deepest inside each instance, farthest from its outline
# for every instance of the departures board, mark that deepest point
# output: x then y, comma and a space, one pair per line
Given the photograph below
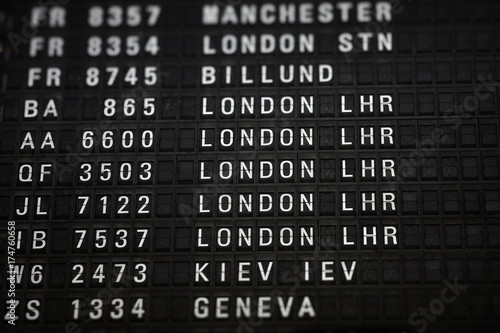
250, 166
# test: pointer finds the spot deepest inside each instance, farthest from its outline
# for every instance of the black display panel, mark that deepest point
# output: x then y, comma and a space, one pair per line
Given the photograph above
250, 166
